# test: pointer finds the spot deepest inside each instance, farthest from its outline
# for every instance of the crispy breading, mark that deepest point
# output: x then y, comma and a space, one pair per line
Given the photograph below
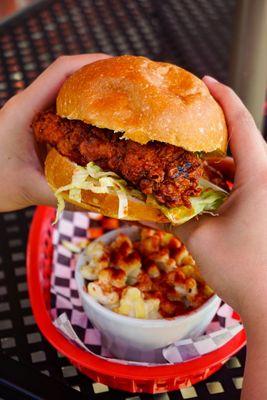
167, 172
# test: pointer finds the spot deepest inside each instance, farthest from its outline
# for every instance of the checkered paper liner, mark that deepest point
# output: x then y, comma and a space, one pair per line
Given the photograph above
69, 317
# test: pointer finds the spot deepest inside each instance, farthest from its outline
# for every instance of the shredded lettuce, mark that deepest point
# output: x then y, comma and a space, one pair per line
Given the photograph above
60, 206
72, 247
79, 177
118, 187
205, 184
96, 172
210, 199
93, 178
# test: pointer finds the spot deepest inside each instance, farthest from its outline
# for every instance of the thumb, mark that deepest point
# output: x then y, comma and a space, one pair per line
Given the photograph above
245, 140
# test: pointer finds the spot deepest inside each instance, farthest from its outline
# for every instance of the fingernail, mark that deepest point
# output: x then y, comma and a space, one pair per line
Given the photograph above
209, 78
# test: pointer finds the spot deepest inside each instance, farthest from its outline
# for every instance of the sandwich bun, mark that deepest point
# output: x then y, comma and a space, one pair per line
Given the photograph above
59, 171
146, 100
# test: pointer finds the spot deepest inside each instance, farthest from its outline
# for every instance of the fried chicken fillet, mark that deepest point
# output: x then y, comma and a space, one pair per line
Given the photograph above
167, 172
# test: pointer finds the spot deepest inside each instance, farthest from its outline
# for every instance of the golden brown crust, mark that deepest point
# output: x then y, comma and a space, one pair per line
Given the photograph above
59, 171
146, 100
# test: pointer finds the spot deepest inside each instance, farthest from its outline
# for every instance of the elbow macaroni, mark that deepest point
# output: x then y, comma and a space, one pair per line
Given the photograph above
134, 305
152, 278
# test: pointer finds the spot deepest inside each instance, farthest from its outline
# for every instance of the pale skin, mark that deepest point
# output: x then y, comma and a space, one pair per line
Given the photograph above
230, 248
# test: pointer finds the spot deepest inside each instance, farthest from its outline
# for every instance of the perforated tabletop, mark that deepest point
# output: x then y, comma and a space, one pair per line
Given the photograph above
193, 34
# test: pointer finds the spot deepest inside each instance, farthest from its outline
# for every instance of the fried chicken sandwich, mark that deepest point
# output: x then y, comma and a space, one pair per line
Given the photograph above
128, 138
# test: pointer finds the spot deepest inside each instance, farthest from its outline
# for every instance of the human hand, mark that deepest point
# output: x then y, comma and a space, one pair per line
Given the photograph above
21, 174
231, 248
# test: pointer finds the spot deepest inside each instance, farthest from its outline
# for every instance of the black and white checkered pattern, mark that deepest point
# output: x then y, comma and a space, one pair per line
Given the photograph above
65, 299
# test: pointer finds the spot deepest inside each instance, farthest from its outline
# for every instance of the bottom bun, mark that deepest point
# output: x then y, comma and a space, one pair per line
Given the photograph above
59, 171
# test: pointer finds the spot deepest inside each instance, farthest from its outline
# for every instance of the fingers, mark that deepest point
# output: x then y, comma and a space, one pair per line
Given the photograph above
246, 142
226, 166
43, 91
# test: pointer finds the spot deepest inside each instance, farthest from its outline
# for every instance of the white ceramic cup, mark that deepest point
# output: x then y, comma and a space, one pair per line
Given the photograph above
137, 339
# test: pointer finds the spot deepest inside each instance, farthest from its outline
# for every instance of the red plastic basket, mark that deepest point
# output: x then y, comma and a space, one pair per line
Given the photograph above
130, 378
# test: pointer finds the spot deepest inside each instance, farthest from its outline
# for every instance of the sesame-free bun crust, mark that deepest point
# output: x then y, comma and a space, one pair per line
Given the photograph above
146, 100
59, 171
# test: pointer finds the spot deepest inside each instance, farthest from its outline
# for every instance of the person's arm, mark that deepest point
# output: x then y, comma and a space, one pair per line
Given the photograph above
231, 248
255, 377
22, 181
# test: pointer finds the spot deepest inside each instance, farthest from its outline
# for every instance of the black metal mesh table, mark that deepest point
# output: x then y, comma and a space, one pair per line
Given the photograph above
195, 35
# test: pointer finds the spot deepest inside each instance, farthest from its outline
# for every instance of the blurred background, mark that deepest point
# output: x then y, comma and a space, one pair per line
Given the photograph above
223, 38
9, 7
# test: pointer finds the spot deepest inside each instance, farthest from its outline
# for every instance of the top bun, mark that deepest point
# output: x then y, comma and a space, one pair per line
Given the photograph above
146, 100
